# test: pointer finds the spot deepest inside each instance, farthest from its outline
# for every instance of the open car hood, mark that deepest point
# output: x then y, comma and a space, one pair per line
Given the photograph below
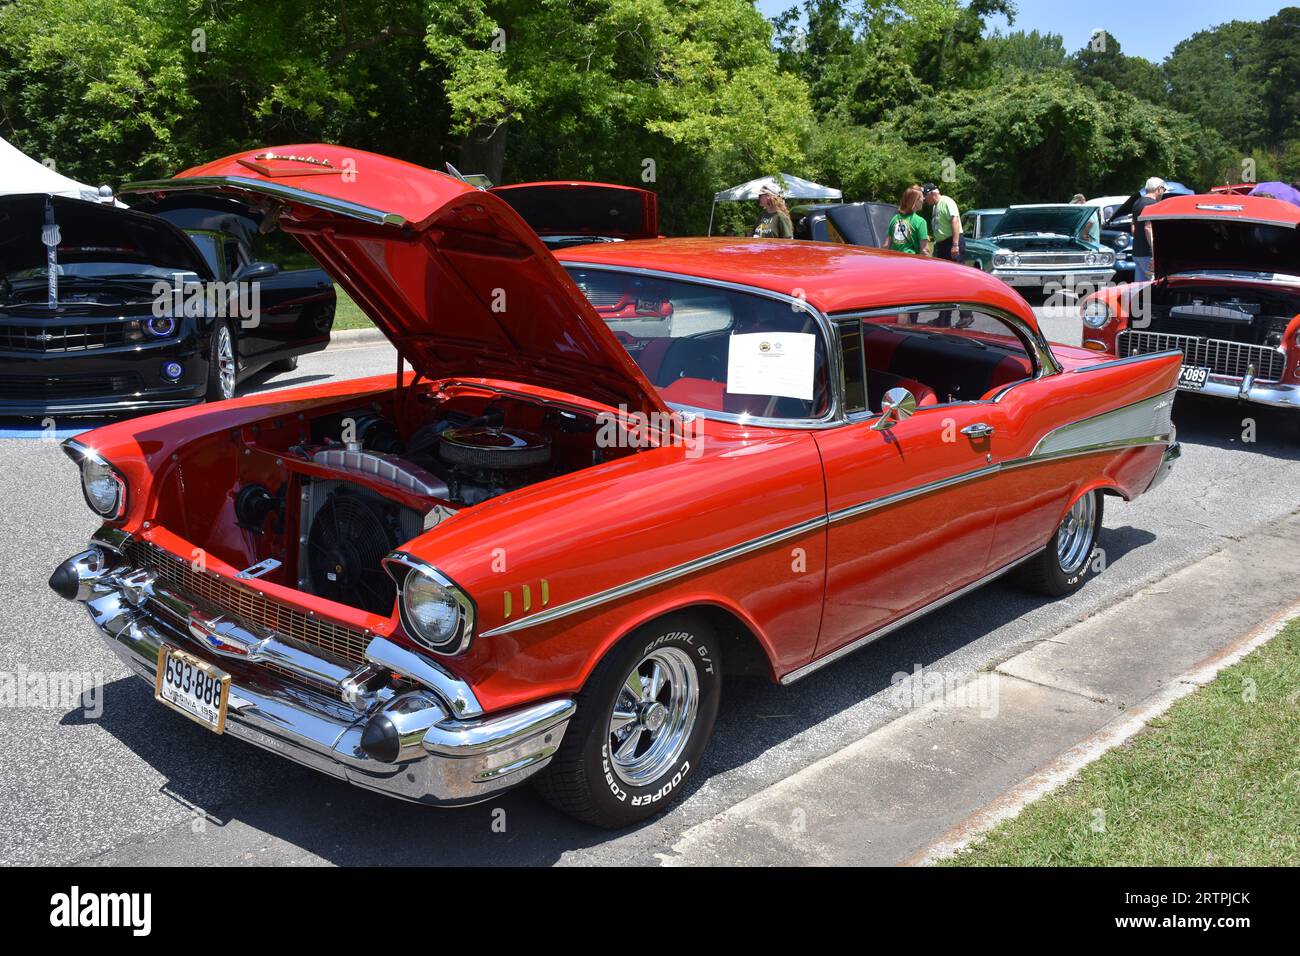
1233, 233
451, 274
597, 210
1065, 220
91, 232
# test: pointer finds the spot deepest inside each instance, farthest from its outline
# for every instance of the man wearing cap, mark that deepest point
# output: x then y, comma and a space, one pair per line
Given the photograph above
775, 222
945, 223
1142, 251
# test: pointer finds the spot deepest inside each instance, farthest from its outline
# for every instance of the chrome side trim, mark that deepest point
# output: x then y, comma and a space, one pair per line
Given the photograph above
273, 189
875, 635
1039, 456
884, 502
1127, 360
660, 577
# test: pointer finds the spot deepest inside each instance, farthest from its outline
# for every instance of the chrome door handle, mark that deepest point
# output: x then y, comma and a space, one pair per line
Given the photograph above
978, 430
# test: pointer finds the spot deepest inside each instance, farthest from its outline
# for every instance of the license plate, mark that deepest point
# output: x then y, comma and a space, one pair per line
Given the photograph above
1193, 377
194, 687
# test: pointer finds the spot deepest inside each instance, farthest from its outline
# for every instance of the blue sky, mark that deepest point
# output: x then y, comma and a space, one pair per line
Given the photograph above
1143, 28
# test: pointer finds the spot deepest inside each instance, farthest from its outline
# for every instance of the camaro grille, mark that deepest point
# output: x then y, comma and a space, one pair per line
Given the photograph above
220, 595
18, 387
1219, 356
51, 337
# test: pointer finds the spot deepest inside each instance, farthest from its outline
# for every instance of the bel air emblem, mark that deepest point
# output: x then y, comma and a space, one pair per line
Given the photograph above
224, 637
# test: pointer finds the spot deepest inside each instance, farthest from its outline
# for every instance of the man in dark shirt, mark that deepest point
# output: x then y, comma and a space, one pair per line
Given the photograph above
1142, 251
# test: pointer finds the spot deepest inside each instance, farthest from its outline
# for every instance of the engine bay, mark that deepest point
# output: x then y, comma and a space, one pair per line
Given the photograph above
319, 502
1234, 314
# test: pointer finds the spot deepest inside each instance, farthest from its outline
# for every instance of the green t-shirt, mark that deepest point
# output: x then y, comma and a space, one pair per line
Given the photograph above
774, 225
941, 218
906, 233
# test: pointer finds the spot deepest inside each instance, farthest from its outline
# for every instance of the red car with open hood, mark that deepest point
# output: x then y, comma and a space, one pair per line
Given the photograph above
1225, 296
535, 550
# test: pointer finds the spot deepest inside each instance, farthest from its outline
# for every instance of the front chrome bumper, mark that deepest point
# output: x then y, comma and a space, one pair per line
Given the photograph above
440, 749
1041, 277
1248, 390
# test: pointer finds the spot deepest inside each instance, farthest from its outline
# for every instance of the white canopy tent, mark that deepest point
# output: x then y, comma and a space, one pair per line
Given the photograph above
790, 187
22, 175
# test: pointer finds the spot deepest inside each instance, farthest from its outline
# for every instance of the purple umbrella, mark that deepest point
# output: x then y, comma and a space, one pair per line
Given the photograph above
1282, 191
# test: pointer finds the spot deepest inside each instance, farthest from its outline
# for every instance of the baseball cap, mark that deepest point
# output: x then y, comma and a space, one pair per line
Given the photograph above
928, 188
768, 189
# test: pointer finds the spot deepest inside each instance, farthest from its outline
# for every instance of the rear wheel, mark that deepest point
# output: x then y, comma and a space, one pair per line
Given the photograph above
643, 721
285, 364
1066, 563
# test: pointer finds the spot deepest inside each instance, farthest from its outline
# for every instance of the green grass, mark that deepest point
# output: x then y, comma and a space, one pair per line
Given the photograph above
348, 315
1214, 781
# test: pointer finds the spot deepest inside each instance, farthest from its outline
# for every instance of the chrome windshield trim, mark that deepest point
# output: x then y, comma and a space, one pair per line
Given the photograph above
660, 577
834, 415
274, 190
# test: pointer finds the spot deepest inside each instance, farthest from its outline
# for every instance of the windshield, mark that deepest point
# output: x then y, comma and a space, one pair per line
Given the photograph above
712, 349
1050, 220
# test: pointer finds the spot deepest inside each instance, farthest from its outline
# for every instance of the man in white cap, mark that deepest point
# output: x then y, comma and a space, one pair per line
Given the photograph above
775, 222
1142, 251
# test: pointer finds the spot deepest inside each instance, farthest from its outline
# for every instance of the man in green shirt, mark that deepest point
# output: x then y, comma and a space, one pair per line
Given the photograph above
945, 223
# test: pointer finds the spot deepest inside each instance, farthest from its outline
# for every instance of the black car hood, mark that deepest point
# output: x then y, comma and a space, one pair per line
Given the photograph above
207, 214
862, 223
90, 232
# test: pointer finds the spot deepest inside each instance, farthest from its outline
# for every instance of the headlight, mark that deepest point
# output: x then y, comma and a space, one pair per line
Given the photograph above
435, 612
1000, 259
1122, 240
103, 486
1106, 258
1095, 314
1090, 259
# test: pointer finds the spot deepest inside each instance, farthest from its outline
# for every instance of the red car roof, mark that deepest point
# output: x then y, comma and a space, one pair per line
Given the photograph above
830, 276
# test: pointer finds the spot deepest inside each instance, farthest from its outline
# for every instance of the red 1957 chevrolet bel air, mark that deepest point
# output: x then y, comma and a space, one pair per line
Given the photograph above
535, 550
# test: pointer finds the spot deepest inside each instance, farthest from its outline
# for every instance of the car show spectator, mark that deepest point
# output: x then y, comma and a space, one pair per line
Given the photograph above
945, 222
907, 230
1142, 252
775, 222
1078, 199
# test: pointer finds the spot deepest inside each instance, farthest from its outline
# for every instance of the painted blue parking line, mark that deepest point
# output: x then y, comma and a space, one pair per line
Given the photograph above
32, 428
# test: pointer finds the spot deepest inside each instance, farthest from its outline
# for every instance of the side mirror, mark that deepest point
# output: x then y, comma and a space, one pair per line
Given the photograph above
899, 404
254, 271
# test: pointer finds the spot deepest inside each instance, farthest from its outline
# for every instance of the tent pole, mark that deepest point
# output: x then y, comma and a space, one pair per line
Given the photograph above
712, 210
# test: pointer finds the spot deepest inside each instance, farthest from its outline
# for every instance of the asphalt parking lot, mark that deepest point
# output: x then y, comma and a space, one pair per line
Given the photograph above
136, 783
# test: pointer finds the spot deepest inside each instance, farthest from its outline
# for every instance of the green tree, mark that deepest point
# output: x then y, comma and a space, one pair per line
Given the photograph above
1279, 71
1213, 77
1102, 59
1031, 52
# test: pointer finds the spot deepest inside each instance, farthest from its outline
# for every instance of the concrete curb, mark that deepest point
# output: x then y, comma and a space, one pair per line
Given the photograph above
351, 337
958, 762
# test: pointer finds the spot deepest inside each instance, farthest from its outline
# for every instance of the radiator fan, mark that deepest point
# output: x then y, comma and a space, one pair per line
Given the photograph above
348, 540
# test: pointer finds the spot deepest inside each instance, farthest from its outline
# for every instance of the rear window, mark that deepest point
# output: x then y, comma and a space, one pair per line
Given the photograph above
712, 349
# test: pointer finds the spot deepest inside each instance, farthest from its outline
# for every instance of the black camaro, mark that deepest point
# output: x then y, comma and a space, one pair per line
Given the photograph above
146, 310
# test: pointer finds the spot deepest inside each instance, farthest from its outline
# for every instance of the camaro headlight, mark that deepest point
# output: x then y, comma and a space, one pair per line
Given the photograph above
435, 612
1095, 314
101, 483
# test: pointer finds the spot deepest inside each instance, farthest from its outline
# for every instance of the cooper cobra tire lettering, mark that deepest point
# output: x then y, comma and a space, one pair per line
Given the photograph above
593, 776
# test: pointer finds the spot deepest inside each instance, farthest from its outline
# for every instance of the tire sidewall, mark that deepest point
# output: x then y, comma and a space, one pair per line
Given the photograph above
614, 797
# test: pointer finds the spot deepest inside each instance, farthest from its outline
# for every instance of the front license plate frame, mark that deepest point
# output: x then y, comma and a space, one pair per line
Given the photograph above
182, 699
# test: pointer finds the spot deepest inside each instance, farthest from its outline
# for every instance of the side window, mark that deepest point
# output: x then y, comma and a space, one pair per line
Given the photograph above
230, 249
942, 356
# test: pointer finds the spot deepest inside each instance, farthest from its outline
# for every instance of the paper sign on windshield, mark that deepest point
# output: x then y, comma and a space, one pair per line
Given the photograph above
772, 363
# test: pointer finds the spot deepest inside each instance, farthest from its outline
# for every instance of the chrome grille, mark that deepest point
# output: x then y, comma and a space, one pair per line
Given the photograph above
221, 595
1051, 258
54, 337
1218, 355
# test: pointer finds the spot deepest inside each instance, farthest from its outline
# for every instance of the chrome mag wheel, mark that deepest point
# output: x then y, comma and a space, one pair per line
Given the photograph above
226, 362
653, 716
1074, 538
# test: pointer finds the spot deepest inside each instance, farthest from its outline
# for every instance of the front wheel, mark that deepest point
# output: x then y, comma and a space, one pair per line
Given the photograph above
643, 721
223, 367
1066, 563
